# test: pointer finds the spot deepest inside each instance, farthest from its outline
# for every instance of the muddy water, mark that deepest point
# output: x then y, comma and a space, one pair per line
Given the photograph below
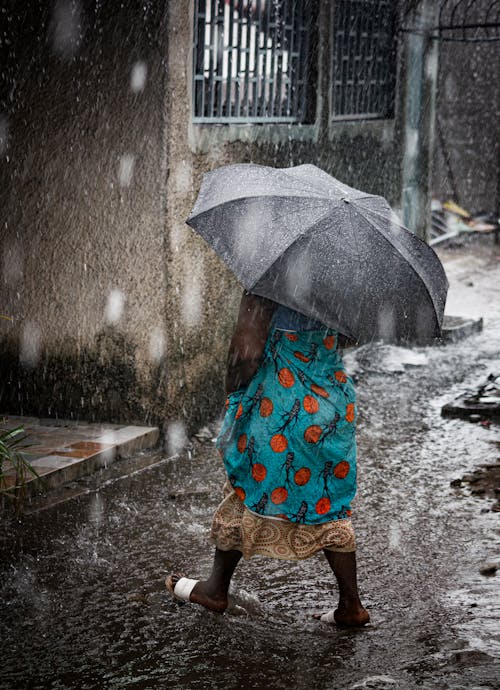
83, 601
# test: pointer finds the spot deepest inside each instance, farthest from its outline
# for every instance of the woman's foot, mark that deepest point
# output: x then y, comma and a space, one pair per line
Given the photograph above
201, 594
350, 614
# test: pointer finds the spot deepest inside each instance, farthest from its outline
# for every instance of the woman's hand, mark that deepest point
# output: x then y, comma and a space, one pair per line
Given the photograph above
248, 341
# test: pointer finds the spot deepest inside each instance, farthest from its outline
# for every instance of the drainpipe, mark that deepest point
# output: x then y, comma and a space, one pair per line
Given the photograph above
421, 68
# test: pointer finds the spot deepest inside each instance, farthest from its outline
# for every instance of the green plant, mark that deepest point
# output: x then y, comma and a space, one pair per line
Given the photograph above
14, 463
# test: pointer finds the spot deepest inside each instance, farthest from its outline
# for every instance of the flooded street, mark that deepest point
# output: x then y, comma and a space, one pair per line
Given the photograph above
82, 585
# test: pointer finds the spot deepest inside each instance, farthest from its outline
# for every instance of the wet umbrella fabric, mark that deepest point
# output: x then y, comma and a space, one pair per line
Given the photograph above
339, 255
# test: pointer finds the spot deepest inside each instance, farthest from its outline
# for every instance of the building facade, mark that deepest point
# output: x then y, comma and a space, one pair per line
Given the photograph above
110, 114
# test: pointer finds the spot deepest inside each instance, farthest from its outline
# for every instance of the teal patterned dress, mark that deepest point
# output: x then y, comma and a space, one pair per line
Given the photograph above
288, 437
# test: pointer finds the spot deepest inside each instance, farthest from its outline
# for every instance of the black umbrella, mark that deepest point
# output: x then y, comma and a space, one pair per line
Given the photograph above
302, 238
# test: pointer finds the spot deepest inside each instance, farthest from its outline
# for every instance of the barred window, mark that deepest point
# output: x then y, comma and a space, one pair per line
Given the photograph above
363, 59
251, 61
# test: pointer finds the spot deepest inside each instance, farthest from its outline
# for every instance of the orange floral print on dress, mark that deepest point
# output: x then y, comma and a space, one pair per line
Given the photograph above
313, 433
240, 492
349, 412
311, 405
266, 407
319, 391
286, 378
341, 469
329, 342
279, 495
301, 356
259, 472
323, 505
290, 451
302, 476
226, 404
242, 443
278, 443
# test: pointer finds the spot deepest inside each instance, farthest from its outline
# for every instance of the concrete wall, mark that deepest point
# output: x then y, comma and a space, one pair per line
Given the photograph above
82, 234
468, 108
98, 176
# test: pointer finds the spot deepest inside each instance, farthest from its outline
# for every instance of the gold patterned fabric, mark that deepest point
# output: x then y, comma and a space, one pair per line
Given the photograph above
236, 527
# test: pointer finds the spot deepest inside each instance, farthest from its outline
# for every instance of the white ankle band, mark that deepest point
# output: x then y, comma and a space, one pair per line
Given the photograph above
184, 587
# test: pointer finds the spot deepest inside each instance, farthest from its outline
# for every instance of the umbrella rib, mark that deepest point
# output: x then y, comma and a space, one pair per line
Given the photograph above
354, 234
259, 197
403, 253
290, 213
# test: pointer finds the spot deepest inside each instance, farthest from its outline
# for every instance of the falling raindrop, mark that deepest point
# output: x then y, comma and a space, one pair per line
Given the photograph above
29, 346
176, 437
4, 133
12, 263
394, 535
138, 77
192, 294
182, 177
96, 509
126, 170
114, 306
411, 147
157, 345
66, 27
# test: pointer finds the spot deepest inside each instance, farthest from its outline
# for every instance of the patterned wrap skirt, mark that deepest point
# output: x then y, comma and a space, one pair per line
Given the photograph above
289, 448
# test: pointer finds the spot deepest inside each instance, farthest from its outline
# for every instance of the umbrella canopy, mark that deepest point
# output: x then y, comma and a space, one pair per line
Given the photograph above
339, 255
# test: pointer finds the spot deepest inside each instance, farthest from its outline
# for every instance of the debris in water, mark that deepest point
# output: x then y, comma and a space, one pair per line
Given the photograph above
488, 569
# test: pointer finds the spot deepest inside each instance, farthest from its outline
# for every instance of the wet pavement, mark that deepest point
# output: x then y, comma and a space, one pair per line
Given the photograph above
83, 599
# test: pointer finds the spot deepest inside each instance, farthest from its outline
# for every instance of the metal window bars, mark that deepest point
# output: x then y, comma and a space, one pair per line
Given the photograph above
363, 59
461, 21
251, 61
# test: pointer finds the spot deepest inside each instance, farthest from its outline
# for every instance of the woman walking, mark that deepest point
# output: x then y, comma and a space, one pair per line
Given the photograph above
289, 448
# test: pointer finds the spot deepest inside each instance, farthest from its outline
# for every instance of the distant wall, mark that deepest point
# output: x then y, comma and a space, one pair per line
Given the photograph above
467, 143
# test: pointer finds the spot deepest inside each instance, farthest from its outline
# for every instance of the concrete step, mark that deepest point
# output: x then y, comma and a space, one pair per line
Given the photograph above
61, 451
458, 327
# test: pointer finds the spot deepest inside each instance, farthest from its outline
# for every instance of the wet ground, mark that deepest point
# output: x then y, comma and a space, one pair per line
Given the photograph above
81, 584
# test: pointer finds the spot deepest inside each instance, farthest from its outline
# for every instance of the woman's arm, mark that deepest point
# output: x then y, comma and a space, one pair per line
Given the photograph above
249, 338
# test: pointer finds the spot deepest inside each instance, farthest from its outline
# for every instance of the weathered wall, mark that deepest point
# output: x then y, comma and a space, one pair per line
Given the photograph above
368, 155
100, 168
467, 144
82, 235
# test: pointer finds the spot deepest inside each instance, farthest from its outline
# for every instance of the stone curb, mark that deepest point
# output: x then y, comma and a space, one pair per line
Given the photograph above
94, 447
457, 327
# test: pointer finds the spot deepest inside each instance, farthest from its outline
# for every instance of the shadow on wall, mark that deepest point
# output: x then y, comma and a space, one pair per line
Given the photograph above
95, 384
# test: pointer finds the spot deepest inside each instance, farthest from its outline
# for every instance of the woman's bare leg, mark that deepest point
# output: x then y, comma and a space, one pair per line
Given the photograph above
212, 593
350, 611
